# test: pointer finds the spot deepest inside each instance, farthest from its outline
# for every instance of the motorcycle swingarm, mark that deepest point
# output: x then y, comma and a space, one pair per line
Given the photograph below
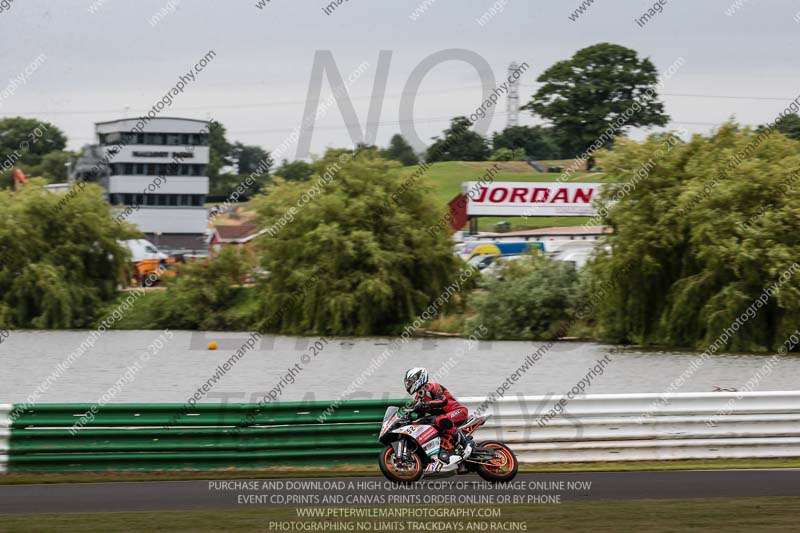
482, 454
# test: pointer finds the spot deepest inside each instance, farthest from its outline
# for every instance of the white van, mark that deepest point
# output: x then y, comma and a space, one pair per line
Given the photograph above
142, 249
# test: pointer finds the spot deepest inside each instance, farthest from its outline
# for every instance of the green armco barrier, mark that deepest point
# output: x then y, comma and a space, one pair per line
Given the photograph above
61, 438
244, 414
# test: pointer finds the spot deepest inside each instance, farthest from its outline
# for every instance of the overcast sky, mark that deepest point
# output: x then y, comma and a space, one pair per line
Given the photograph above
114, 63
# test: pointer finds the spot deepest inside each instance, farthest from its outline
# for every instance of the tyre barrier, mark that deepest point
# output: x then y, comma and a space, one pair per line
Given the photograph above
599, 427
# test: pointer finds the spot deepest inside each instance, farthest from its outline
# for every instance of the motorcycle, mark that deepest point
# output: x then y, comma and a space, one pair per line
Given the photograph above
412, 449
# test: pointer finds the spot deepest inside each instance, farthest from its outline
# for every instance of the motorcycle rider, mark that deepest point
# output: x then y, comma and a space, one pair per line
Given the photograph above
435, 399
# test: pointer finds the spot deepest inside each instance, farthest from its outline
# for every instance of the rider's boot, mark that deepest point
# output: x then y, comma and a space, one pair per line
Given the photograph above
464, 444
461, 448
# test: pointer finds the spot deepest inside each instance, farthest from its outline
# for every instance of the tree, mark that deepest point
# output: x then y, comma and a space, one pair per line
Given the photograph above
226, 184
697, 240
27, 143
458, 144
600, 86
530, 300
789, 125
400, 150
538, 142
52, 167
295, 171
219, 151
40, 138
373, 269
58, 265
250, 158
203, 293
507, 154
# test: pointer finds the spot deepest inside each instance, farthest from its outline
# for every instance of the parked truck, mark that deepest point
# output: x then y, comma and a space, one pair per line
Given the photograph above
500, 248
148, 260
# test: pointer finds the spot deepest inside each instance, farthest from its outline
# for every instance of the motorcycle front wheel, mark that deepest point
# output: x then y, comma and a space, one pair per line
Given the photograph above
503, 467
407, 470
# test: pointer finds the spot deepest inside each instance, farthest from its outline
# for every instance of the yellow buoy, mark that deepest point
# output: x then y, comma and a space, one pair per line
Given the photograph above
212, 345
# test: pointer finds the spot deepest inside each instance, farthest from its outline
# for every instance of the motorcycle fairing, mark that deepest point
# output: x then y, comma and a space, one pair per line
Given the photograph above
427, 436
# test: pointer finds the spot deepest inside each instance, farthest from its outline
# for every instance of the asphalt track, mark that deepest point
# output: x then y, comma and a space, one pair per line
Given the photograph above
192, 495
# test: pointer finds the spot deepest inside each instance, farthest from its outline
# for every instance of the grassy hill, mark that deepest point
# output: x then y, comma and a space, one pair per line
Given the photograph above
445, 181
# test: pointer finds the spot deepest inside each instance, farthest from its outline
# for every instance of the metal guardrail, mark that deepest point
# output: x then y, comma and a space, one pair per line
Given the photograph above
607, 427
642, 427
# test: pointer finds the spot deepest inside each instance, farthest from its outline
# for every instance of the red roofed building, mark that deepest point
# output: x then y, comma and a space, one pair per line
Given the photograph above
240, 235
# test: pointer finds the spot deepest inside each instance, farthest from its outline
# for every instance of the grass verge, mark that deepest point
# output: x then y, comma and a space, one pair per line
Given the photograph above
353, 471
653, 516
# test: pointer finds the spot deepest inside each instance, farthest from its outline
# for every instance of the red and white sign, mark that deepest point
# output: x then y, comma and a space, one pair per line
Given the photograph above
513, 199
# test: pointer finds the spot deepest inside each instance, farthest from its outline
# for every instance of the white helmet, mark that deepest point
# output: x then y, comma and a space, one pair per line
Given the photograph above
415, 379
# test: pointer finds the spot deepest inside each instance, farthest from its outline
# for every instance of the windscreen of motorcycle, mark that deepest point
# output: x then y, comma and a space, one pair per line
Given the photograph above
389, 419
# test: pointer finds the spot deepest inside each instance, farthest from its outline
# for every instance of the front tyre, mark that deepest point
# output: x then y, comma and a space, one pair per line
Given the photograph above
503, 467
400, 470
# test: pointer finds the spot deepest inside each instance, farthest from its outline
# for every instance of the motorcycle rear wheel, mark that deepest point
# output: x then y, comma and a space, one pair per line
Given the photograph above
386, 464
503, 467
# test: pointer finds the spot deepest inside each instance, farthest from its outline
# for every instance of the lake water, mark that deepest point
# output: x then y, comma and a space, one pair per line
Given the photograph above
184, 364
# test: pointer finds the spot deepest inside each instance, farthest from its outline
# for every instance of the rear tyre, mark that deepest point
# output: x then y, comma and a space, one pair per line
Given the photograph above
408, 471
503, 467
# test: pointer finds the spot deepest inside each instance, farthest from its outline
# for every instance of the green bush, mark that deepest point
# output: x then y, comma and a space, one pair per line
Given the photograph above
60, 259
527, 299
507, 154
207, 294
702, 229
363, 253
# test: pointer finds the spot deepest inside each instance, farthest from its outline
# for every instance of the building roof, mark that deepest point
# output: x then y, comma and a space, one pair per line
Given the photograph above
151, 119
236, 232
179, 241
561, 231
239, 234
152, 125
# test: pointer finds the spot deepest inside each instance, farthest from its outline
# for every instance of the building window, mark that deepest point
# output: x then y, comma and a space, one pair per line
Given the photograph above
139, 169
173, 199
173, 139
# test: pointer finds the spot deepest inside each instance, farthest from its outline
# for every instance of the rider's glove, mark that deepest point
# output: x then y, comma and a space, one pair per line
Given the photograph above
422, 407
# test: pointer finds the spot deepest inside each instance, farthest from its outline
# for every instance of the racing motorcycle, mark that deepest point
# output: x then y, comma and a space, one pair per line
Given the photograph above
412, 450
